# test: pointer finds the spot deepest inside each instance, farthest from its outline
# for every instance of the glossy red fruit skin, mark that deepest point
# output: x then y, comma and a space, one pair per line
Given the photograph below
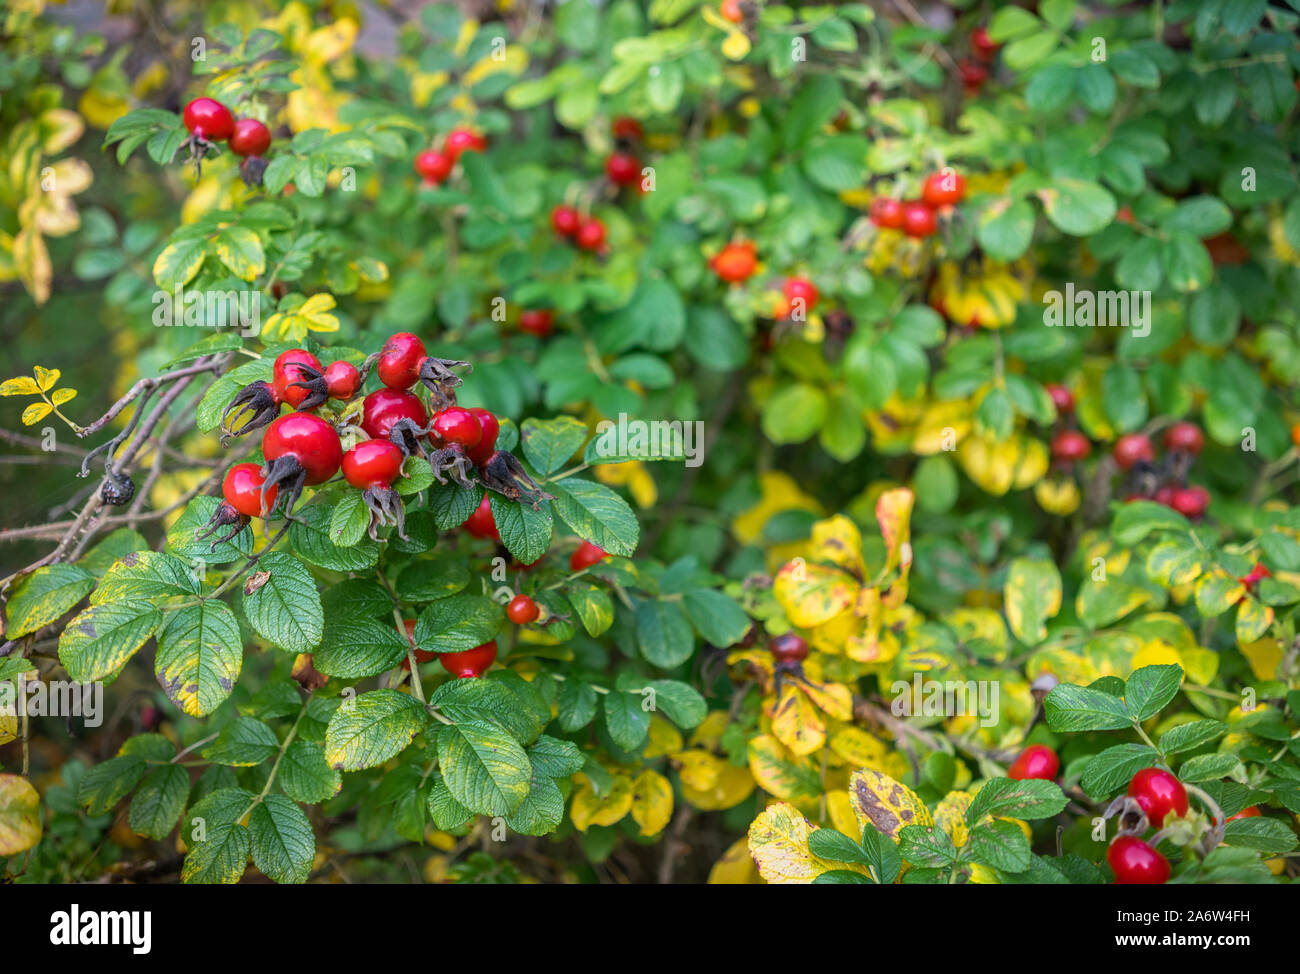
310, 440
372, 463
522, 610
1135, 863
943, 189
622, 168
1062, 399
284, 373
591, 234
208, 119
1190, 501
1159, 793
1165, 495
471, 662
1185, 437
565, 220
342, 380
487, 443
457, 425
887, 212
1248, 812
1070, 445
537, 321
1132, 448
399, 360
918, 219
242, 490
1035, 761
789, 648
434, 166
735, 262
801, 287
585, 556
463, 140
481, 524
627, 128
384, 407
250, 138
983, 45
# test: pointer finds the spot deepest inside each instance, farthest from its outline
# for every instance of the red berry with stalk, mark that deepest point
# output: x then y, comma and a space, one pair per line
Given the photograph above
481, 524
1035, 761
789, 648
398, 366
250, 138
887, 212
590, 235
735, 262
586, 555
1135, 863
1190, 502
470, 663
290, 375
919, 220
1132, 449
396, 415
433, 166
800, 288
1185, 438
244, 499
208, 122
565, 220
622, 169
1158, 792
461, 140
1069, 446
457, 426
944, 188
522, 610
301, 449
487, 444
342, 380
537, 321
372, 466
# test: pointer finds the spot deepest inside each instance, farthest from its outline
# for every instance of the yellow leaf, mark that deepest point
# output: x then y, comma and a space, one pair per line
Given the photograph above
698, 769
1031, 596
20, 815
859, 748
32, 263
893, 513
886, 804
20, 386
812, 594
840, 808
46, 378
835, 699
736, 46
735, 867
36, 412
1253, 619
60, 396
796, 722
587, 809
652, 802
664, 738
1263, 655
1057, 495
778, 841
711, 728
837, 541
950, 815
731, 787
779, 772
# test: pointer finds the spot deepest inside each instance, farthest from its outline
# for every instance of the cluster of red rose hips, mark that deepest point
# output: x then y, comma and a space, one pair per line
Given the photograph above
1134, 454
434, 166
919, 218
622, 166
209, 122
974, 70
303, 449
586, 232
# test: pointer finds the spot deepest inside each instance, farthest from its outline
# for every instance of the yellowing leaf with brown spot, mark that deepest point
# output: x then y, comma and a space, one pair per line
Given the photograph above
780, 772
950, 815
942, 426
796, 722
652, 802
20, 815
894, 514
778, 841
587, 809
837, 541
835, 699
886, 804
812, 594
664, 738
859, 748
735, 867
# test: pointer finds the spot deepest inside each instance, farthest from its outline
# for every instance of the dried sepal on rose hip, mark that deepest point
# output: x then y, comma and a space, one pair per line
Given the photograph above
258, 404
502, 472
339, 380
301, 449
245, 497
208, 122
454, 432
253, 408
398, 416
372, 466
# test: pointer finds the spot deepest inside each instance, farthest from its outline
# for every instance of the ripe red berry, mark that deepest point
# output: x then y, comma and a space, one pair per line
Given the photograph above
242, 490
1190, 501
384, 407
471, 662
1249, 812
1165, 495
973, 76
586, 555
735, 262
208, 119
1184, 437
481, 524
487, 443
887, 212
1255, 575
522, 610
285, 372
1062, 398
1134, 862
944, 188
399, 360
983, 45
309, 440
538, 321
1035, 761
250, 138
789, 648
918, 219
565, 220
372, 463
463, 140
623, 169
800, 287
591, 234
456, 425
434, 166
1070, 445
1131, 449
627, 128
342, 380
1159, 793
732, 11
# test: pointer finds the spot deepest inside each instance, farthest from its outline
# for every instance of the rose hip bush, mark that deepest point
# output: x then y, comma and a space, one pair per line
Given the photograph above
975, 562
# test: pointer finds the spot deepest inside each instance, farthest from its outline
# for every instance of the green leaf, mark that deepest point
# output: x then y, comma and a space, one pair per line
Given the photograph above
41, 597
452, 504
1077, 207
221, 857
159, 801
525, 533
628, 724
183, 541
594, 607
1137, 519
662, 632
926, 845
147, 575
282, 843
542, 809
827, 843
445, 812
200, 654
98, 642
576, 702
717, 617
286, 609
1031, 596
427, 581
1009, 798
484, 768
305, 776
793, 413
1184, 737
1005, 229
243, 743
371, 729
458, 623
108, 782
488, 702
1266, 835
1070, 708
309, 535
1000, 845
1208, 767
350, 518
1201, 216
556, 758
357, 648
1112, 768
679, 702
596, 514
882, 855
1150, 688
550, 444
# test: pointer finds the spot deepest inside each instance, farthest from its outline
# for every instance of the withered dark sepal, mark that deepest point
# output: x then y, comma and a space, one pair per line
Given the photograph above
222, 516
287, 475
504, 474
257, 403
440, 380
451, 459
313, 380
385, 506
